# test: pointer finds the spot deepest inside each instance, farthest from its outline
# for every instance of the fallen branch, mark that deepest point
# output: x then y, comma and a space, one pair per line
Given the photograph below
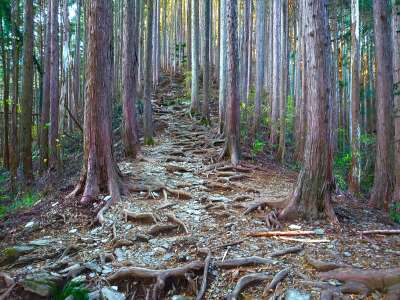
322, 266
171, 218
175, 168
294, 249
159, 276
203, 288
244, 282
310, 241
276, 280
245, 261
280, 233
180, 194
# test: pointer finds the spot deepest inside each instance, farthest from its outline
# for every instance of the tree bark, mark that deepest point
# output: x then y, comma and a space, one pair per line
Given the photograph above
396, 80
194, 107
54, 88
100, 172
355, 170
381, 193
206, 62
233, 104
223, 68
148, 84
260, 63
45, 117
27, 92
6, 101
129, 72
77, 62
312, 194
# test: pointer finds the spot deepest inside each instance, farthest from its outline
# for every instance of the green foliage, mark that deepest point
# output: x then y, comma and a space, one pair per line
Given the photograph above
188, 83
257, 147
72, 288
394, 212
149, 141
341, 169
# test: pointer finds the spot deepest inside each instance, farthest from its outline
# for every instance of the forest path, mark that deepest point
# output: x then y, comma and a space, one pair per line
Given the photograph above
188, 201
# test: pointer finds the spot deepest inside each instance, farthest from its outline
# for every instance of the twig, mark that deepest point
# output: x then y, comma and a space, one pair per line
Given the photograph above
380, 231
277, 279
279, 233
173, 219
323, 266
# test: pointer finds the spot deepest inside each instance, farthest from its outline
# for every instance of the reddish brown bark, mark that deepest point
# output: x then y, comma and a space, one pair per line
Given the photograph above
100, 173
233, 104
27, 90
381, 193
6, 102
45, 117
129, 72
54, 87
312, 194
396, 80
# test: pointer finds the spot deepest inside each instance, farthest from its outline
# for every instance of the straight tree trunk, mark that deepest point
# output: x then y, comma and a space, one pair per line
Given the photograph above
284, 82
206, 62
27, 92
189, 33
355, 171
100, 172
312, 194
194, 107
148, 84
14, 153
245, 50
223, 68
45, 117
77, 62
6, 103
260, 63
233, 104
54, 88
129, 67
381, 193
276, 79
396, 80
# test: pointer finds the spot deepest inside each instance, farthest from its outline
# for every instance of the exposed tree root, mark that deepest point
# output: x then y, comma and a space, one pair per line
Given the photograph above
283, 252
180, 194
159, 277
241, 198
145, 218
263, 205
246, 281
203, 287
175, 168
276, 280
218, 186
245, 261
161, 228
358, 281
322, 266
380, 231
279, 233
272, 220
175, 159
121, 243
171, 218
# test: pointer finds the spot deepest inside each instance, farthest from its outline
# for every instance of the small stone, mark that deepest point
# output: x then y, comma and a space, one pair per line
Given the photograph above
293, 294
107, 198
74, 230
294, 227
94, 295
179, 297
159, 251
111, 294
106, 270
29, 224
319, 231
43, 242
347, 254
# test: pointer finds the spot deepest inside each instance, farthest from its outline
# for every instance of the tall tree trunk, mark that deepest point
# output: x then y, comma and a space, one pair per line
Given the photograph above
260, 63
396, 80
312, 194
189, 33
194, 107
100, 172
381, 193
233, 104
355, 171
6, 101
14, 153
206, 62
129, 67
148, 84
276, 80
45, 117
54, 87
223, 68
77, 62
244, 52
284, 82
27, 92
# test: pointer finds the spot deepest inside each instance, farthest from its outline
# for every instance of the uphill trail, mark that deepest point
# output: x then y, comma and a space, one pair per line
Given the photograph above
189, 211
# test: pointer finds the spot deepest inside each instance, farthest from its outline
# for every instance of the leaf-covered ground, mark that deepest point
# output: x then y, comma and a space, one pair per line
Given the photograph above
186, 201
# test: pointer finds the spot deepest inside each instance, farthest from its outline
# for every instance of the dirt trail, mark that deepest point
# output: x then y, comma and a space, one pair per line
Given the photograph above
201, 205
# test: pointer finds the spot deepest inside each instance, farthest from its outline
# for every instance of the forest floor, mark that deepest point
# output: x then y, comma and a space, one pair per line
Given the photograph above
160, 229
